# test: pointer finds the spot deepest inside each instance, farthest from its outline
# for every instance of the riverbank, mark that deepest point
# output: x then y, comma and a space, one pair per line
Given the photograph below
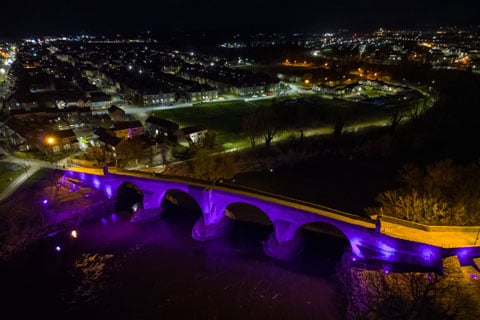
44, 207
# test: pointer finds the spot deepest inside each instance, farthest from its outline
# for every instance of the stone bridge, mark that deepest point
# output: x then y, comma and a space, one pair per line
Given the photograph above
368, 240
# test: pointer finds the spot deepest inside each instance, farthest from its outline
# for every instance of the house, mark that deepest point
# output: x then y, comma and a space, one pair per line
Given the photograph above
116, 113
160, 98
74, 116
72, 98
158, 127
21, 101
127, 129
57, 141
98, 100
104, 139
202, 93
194, 134
18, 134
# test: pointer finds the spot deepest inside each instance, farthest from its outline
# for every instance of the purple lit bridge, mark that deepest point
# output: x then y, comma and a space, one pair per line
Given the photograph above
395, 243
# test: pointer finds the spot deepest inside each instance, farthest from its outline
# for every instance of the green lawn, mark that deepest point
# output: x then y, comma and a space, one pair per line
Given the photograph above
7, 171
372, 92
225, 118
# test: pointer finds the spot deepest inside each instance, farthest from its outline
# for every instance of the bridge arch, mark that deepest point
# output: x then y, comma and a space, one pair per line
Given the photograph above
243, 211
179, 198
129, 197
317, 239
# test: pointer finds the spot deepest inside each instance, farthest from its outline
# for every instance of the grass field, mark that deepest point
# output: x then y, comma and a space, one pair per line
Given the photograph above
8, 171
225, 118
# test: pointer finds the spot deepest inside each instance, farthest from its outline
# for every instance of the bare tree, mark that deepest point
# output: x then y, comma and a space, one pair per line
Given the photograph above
417, 110
395, 120
442, 193
301, 119
209, 167
131, 149
268, 124
371, 294
250, 127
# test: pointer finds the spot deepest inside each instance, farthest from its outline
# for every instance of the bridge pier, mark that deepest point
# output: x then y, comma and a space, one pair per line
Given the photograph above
213, 224
285, 242
151, 208
203, 232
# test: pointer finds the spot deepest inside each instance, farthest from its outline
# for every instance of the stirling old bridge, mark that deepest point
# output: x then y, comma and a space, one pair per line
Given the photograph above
393, 241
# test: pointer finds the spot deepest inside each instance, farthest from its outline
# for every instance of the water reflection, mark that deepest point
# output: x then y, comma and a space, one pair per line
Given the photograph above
114, 268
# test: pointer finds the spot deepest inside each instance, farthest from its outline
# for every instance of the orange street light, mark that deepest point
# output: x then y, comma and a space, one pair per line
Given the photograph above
50, 140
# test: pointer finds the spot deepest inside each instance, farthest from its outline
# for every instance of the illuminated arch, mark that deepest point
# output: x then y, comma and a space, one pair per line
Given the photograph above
179, 198
323, 230
129, 197
243, 211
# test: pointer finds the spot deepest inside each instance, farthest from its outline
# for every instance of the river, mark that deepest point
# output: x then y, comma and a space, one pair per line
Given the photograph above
117, 269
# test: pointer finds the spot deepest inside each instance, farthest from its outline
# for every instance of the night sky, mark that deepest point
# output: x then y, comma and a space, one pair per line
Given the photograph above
33, 17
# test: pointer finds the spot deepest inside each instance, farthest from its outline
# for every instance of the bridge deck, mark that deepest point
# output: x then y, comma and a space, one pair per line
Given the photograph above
444, 239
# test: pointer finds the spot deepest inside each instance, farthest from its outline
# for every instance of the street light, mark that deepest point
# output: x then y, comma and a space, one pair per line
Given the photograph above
50, 140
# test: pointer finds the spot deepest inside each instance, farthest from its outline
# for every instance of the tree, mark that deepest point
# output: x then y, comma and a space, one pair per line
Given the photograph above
338, 127
95, 153
138, 100
417, 110
301, 119
442, 194
209, 167
130, 149
209, 141
250, 128
371, 294
395, 120
268, 124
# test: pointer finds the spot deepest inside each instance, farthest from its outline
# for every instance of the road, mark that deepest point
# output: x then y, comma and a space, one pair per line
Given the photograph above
30, 167
132, 109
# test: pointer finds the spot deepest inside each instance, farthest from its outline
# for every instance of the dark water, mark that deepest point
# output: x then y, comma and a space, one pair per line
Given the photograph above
157, 271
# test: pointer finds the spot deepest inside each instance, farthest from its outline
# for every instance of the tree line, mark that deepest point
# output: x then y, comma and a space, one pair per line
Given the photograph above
442, 193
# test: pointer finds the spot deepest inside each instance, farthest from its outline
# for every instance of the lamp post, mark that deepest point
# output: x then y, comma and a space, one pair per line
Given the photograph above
50, 141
